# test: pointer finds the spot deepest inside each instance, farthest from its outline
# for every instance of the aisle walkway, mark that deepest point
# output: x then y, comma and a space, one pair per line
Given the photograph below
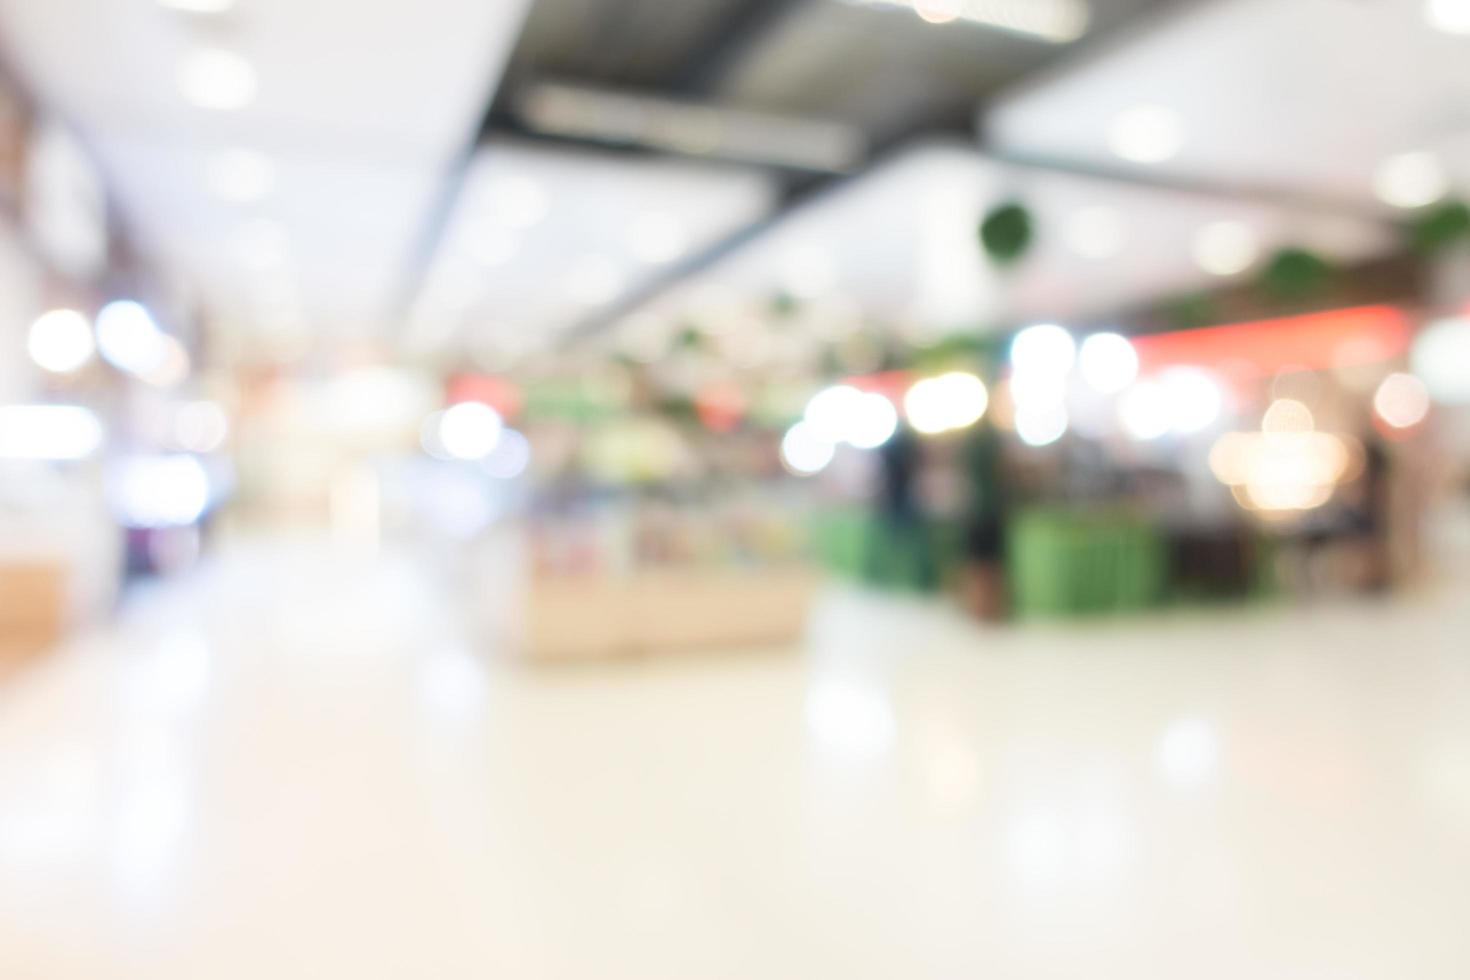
290, 766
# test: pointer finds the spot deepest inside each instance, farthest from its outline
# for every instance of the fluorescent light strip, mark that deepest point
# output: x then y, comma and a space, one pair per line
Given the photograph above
692, 128
1057, 21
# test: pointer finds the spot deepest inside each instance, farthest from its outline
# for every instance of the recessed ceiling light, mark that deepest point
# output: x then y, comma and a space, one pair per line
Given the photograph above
1096, 232
240, 176
1057, 21
199, 6
1146, 134
937, 11
1410, 180
1450, 16
656, 238
214, 78
1225, 248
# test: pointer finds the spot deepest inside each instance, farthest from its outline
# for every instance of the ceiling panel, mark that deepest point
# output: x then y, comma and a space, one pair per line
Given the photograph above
902, 243
1307, 95
361, 107
543, 238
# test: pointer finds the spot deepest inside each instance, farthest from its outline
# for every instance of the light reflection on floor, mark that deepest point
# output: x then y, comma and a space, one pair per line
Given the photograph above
293, 765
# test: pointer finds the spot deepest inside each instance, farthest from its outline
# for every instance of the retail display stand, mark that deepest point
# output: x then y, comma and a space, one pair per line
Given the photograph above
665, 611
32, 610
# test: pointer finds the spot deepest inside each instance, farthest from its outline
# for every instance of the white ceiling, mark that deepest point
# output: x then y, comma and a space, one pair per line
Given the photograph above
582, 252
1308, 95
362, 107
902, 243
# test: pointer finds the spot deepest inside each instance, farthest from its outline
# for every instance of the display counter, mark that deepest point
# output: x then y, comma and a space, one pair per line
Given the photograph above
33, 610
665, 611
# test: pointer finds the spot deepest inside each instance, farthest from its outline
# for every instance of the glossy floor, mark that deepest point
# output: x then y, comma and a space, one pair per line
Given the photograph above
291, 766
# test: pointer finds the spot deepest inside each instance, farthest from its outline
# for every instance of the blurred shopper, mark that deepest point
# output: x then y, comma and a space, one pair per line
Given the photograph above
899, 550
1371, 524
983, 576
1351, 544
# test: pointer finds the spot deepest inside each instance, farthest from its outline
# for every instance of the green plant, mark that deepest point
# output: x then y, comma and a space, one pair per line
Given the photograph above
1006, 233
1295, 272
1440, 226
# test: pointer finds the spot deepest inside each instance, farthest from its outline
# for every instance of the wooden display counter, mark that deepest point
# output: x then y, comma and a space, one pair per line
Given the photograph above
32, 610
665, 611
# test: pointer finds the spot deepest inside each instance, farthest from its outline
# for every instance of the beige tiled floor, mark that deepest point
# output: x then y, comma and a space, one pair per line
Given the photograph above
291, 766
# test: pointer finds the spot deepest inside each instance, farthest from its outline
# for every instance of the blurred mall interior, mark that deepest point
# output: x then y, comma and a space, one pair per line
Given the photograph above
734, 488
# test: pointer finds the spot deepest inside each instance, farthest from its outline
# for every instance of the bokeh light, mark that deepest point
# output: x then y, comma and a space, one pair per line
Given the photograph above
1108, 363
1440, 357
60, 341
805, 451
201, 426
1281, 471
128, 339
829, 413
510, 457
1401, 401
1143, 411
1146, 134
872, 423
1044, 349
1411, 180
1225, 248
1041, 425
1287, 415
173, 367
469, 430
48, 432
951, 401
1193, 397
158, 491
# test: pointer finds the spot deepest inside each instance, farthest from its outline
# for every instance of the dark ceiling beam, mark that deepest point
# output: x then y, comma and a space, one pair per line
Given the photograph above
712, 61
796, 193
717, 56
706, 66
788, 204
511, 126
450, 186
